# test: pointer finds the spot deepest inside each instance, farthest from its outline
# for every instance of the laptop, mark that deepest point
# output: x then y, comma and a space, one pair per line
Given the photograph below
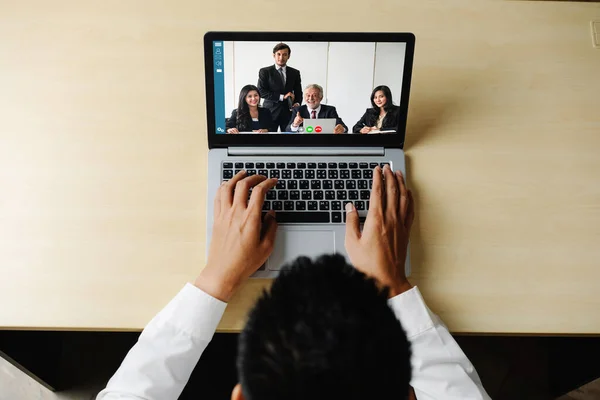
318, 125
317, 174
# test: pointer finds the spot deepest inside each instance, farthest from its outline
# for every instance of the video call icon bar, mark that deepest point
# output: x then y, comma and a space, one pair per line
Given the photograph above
219, 81
218, 57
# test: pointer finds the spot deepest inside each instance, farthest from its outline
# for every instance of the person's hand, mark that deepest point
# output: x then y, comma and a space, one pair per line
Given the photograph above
380, 249
295, 105
339, 128
289, 94
232, 130
261, 130
298, 120
365, 129
241, 239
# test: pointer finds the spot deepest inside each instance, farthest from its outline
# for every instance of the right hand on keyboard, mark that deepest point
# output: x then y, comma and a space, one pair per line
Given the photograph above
380, 249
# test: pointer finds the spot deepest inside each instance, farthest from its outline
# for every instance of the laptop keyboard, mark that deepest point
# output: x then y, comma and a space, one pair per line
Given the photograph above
311, 192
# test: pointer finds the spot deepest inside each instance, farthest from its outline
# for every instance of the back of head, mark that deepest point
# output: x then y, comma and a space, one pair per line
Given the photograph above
323, 331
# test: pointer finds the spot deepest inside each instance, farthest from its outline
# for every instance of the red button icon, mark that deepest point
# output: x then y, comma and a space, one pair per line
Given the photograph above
318, 129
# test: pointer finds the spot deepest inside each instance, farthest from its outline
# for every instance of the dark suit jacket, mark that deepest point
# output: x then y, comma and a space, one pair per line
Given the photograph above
271, 87
325, 112
369, 118
265, 120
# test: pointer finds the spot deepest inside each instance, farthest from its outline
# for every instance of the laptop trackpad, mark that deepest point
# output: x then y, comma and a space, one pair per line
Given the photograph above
290, 244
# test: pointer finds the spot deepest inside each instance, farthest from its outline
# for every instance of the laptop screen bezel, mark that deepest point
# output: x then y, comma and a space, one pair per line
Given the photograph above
347, 140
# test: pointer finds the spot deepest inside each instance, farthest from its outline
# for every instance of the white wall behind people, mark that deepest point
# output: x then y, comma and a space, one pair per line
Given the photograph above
387, 58
350, 79
347, 71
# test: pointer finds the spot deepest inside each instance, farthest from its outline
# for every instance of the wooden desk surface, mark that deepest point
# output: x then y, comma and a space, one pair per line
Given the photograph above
103, 149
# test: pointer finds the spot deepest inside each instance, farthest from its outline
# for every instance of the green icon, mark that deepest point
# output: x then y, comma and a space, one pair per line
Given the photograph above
309, 129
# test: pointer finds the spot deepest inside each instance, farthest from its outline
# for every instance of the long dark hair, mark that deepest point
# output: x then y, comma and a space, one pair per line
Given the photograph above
388, 98
244, 120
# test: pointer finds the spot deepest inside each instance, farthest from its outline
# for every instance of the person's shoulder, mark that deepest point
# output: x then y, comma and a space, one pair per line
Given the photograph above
328, 107
264, 111
266, 69
394, 108
292, 69
234, 112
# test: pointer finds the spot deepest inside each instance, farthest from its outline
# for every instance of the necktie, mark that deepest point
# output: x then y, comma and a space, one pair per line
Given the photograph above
282, 75
313, 114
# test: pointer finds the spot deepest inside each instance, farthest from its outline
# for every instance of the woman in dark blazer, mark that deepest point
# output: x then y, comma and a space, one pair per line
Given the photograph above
383, 116
249, 117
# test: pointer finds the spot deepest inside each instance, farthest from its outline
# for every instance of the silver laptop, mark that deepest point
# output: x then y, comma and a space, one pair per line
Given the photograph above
318, 125
317, 174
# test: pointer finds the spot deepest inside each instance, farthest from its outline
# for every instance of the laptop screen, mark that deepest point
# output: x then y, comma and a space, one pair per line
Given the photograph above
276, 87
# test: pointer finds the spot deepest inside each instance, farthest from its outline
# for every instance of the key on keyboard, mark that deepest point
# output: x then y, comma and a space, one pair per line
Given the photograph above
312, 192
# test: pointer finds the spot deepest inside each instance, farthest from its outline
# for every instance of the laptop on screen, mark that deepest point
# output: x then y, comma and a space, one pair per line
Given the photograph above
318, 111
319, 125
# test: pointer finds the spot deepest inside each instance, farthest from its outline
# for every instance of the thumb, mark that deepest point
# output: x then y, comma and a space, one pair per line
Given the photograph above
352, 224
269, 231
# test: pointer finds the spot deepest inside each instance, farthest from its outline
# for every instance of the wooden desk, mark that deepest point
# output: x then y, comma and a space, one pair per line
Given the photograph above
103, 149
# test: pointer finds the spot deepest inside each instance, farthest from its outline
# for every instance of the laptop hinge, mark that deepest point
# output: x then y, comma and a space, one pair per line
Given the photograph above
306, 151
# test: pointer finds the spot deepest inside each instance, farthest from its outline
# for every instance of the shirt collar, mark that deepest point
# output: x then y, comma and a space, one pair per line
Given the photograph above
318, 109
277, 67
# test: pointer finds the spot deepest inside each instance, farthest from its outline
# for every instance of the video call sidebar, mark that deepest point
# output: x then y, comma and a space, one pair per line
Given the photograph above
219, 82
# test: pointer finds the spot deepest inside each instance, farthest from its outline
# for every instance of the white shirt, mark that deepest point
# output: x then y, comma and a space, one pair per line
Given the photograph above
380, 121
316, 110
161, 362
284, 69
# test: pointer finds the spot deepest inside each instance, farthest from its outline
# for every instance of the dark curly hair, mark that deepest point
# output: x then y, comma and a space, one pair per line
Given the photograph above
323, 331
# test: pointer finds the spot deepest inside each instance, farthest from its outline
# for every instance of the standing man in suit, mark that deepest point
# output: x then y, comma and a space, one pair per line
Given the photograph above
312, 108
280, 86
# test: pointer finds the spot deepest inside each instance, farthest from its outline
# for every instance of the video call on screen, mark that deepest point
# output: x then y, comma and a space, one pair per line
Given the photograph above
273, 87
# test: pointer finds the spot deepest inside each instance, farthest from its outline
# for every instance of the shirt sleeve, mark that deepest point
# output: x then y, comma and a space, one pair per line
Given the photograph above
161, 362
440, 369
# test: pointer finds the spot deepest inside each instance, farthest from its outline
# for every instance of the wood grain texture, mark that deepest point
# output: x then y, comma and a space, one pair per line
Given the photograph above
103, 153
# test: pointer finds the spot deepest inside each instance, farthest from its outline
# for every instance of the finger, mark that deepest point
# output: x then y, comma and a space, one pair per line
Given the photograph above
269, 233
228, 188
376, 198
403, 205
259, 192
410, 213
217, 202
352, 225
242, 189
391, 192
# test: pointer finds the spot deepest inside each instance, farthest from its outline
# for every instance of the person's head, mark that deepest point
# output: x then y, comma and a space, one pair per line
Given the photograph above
313, 94
323, 331
281, 54
381, 97
249, 97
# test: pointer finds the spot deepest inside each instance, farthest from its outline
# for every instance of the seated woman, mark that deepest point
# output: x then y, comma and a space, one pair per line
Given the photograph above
249, 117
383, 116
